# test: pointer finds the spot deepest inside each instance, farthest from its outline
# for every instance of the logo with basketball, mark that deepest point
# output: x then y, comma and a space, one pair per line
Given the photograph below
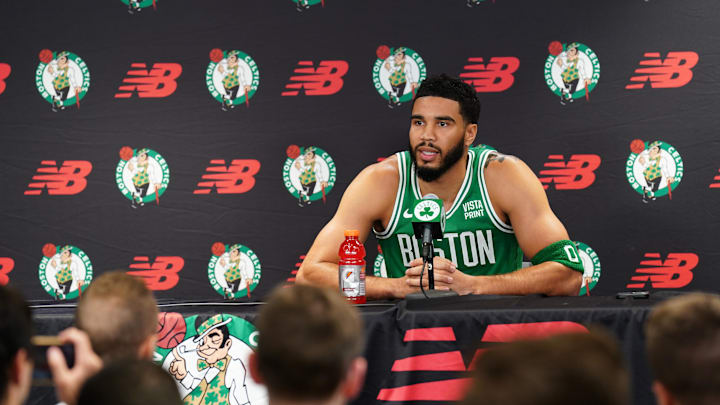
591, 267
396, 74
62, 78
234, 270
208, 358
302, 5
653, 169
309, 174
64, 271
136, 6
142, 175
232, 78
571, 71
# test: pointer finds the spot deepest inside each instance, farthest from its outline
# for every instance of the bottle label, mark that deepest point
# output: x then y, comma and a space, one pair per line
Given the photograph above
352, 280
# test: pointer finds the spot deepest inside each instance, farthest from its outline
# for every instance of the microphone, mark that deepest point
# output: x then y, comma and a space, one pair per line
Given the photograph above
429, 223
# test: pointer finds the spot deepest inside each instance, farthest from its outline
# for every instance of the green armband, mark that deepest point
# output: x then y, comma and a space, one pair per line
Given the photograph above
563, 251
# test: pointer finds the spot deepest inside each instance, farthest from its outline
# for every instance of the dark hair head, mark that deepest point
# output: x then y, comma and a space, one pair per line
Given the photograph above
130, 382
683, 347
15, 331
309, 337
561, 370
454, 89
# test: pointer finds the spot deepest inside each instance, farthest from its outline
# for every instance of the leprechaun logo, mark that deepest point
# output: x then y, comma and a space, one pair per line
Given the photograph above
591, 267
142, 175
64, 271
208, 358
62, 78
653, 169
234, 270
396, 74
571, 71
309, 174
136, 6
302, 5
232, 77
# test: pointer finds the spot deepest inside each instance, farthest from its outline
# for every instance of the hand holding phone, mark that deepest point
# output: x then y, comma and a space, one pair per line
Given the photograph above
69, 378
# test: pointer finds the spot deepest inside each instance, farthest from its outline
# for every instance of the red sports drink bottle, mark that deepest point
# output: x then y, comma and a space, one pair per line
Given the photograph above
352, 268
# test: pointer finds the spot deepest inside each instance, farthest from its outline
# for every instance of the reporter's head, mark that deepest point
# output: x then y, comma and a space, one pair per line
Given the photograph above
130, 382
310, 346
119, 314
15, 350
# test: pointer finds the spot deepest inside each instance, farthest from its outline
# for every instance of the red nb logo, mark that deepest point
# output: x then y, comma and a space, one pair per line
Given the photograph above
674, 71
674, 272
575, 174
234, 179
447, 390
161, 275
4, 73
158, 82
69, 179
493, 77
324, 80
295, 270
6, 266
716, 178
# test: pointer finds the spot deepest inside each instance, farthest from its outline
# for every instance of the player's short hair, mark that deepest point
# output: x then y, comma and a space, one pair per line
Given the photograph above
15, 331
118, 312
561, 370
455, 89
309, 337
683, 347
130, 382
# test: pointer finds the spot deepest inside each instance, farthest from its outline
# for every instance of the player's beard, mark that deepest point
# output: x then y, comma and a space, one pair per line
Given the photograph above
449, 160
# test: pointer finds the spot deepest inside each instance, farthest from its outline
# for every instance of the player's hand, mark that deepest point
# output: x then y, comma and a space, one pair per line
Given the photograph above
68, 381
443, 270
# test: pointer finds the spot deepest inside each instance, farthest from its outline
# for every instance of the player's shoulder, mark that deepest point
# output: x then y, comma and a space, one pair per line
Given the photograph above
382, 173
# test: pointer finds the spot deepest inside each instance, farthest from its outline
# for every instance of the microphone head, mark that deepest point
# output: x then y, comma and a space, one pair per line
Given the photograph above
429, 211
430, 196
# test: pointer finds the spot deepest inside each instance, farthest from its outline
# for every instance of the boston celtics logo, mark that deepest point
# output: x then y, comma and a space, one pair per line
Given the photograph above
396, 74
308, 173
62, 78
653, 169
234, 270
142, 175
208, 358
232, 77
591, 267
571, 71
302, 5
379, 269
64, 271
427, 210
136, 6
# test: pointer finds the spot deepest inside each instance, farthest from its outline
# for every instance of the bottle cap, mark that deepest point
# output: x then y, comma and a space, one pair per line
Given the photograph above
352, 232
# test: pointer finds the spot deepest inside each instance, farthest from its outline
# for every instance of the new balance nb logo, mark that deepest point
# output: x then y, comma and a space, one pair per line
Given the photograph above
324, 80
237, 178
576, 174
160, 275
294, 272
717, 181
68, 179
4, 74
158, 82
6, 266
673, 272
674, 71
493, 77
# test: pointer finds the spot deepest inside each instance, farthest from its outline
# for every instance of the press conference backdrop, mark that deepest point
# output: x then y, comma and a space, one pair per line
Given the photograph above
203, 144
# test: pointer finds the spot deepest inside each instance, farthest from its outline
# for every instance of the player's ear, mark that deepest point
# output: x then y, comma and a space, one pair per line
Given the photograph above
470, 133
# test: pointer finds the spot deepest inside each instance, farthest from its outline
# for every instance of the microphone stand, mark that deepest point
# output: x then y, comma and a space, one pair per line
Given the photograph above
428, 252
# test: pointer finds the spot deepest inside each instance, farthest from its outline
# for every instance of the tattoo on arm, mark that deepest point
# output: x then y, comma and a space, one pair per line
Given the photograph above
499, 157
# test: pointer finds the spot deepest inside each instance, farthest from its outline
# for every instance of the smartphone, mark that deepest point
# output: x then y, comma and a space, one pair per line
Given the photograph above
40, 345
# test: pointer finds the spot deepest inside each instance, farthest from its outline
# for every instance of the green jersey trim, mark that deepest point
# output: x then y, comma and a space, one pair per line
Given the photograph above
499, 224
395, 218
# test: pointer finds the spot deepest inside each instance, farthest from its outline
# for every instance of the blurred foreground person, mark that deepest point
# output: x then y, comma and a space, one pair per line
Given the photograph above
16, 363
130, 382
310, 347
683, 348
561, 370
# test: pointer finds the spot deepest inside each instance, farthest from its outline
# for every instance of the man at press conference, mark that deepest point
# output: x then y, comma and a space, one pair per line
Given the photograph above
496, 211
